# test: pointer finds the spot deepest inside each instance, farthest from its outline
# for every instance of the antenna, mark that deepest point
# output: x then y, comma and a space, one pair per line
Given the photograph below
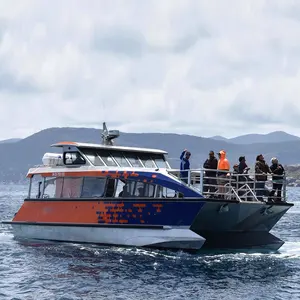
109, 135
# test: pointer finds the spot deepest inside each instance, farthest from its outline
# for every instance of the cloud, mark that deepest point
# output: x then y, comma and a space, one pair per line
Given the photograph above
197, 67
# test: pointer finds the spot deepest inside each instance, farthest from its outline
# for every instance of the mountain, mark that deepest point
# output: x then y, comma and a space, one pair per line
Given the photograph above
16, 158
10, 141
273, 137
219, 138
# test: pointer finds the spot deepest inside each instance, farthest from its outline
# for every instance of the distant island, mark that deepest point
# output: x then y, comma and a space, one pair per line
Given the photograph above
18, 155
293, 175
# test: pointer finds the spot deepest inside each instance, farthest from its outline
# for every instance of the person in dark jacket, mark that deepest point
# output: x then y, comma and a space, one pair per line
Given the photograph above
277, 179
209, 181
261, 175
184, 165
243, 167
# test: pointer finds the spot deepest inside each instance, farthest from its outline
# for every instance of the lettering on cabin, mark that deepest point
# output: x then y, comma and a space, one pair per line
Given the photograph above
58, 174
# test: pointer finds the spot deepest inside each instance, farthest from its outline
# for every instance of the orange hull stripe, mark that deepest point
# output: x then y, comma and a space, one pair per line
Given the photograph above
83, 212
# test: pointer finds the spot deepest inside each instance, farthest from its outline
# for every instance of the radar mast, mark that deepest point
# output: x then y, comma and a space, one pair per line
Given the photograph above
109, 135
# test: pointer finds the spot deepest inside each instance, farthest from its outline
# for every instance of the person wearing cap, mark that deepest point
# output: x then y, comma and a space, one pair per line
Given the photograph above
223, 168
261, 176
277, 179
209, 181
184, 165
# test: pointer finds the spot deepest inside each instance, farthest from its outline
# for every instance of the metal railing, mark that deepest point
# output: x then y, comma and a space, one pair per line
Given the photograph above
234, 186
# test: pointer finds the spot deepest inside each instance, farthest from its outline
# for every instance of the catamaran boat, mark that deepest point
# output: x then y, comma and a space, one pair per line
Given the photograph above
126, 196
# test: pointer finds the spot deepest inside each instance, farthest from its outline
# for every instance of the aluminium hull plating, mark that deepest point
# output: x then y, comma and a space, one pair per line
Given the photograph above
155, 236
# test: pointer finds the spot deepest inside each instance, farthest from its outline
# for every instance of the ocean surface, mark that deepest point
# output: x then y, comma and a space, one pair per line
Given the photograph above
44, 270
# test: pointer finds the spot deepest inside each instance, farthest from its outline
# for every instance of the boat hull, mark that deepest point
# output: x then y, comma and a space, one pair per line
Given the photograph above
179, 223
156, 236
239, 225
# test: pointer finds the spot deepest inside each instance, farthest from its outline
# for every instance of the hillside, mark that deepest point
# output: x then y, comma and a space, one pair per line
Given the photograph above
17, 157
9, 141
273, 137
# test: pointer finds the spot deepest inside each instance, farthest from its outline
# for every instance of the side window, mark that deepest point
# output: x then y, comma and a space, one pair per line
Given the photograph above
134, 160
130, 185
73, 158
106, 157
53, 187
110, 187
149, 190
93, 187
139, 189
163, 192
71, 187
93, 157
159, 161
120, 158
170, 193
147, 161
121, 188
36, 187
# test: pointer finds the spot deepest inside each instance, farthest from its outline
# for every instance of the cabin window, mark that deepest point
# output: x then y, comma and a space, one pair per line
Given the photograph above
110, 187
36, 187
159, 160
164, 192
71, 187
107, 158
147, 161
53, 187
120, 158
62, 187
121, 189
149, 190
73, 158
93, 157
134, 160
93, 187
139, 190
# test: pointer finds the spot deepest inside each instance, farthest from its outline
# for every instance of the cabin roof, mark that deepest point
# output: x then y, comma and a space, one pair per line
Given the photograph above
116, 148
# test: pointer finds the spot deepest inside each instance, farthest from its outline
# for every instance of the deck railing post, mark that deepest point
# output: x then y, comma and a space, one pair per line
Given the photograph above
284, 188
189, 177
201, 180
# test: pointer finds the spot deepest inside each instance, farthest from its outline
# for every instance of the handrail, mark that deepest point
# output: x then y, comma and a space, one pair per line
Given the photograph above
227, 184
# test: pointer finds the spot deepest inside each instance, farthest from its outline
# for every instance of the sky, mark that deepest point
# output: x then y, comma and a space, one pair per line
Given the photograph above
199, 67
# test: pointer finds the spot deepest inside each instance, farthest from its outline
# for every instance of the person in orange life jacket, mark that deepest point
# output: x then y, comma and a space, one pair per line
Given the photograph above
277, 179
184, 165
261, 171
223, 166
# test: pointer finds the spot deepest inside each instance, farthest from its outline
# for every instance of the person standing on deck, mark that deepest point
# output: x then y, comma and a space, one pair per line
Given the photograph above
243, 167
209, 181
277, 179
224, 167
184, 165
261, 176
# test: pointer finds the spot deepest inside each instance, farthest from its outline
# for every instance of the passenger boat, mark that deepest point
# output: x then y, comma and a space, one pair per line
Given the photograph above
127, 196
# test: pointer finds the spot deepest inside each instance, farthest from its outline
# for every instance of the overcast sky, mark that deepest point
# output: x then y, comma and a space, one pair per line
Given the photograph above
198, 67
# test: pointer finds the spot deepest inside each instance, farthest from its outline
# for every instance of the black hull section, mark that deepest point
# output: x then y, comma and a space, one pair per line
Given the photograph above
241, 240
239, 225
